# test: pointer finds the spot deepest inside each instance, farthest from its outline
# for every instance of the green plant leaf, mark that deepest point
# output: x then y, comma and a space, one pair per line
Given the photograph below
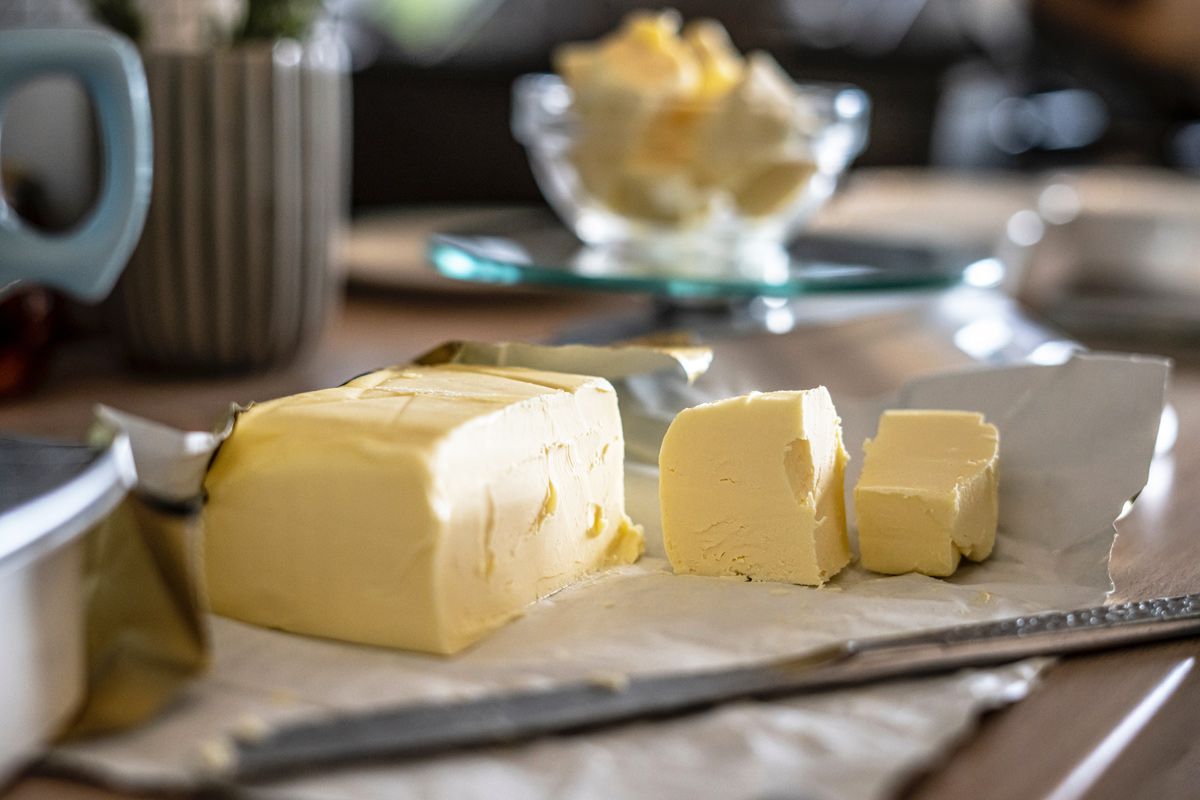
278, 19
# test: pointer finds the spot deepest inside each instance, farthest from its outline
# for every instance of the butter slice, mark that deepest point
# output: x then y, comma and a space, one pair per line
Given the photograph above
753, 486
928, 492
416, 507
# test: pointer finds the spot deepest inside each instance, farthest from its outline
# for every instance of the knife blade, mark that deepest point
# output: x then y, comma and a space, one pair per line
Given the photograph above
423, 729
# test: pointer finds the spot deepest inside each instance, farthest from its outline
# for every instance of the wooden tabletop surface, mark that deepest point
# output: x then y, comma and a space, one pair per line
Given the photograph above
1119, 725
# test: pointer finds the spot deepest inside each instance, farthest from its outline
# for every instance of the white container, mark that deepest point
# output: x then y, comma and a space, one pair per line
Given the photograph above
51, 495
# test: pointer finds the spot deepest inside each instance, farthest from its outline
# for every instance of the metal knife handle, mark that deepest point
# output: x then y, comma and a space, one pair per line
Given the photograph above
1138, 612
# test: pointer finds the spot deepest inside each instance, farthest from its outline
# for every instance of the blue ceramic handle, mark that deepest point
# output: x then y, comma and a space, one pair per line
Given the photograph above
86, 261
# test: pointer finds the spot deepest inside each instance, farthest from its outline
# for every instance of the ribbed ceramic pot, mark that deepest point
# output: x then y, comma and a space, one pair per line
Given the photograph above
235, 268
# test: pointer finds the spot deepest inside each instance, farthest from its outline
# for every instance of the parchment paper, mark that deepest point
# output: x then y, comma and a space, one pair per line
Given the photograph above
1076, 444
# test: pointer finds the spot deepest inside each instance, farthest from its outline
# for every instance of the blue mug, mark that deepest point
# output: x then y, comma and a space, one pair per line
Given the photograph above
86, 261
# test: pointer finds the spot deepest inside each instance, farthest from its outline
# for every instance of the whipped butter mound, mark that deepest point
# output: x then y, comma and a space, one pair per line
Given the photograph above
417, 507
753, 487
928, 492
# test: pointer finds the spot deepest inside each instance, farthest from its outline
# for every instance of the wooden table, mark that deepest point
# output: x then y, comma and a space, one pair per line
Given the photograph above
1118, 725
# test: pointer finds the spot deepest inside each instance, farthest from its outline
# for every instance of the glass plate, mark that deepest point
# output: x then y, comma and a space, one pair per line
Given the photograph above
533, 248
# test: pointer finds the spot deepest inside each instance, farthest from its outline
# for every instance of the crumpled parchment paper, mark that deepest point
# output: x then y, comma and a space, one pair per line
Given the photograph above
1076, 444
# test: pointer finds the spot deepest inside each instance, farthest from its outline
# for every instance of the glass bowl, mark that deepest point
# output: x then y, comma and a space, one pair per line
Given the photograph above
675, 179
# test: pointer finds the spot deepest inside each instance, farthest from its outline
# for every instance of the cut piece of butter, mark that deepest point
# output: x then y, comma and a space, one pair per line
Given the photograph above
756, 127
753, 486
772, 186
416, 507
645, 56
669, 118
721, 65
928, 492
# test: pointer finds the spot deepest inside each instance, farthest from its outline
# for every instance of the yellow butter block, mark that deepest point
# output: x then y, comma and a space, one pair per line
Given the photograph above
753, 487
416, 507
928, 492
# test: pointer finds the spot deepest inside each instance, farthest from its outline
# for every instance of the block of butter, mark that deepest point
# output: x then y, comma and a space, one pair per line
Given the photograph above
753, 486
927, 495
417, 507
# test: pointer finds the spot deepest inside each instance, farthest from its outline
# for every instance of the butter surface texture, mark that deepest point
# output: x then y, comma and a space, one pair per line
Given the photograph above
927, 495
753, 486
416, 507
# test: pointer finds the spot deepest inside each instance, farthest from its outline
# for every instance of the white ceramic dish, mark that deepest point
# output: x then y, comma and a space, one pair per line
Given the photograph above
51, 496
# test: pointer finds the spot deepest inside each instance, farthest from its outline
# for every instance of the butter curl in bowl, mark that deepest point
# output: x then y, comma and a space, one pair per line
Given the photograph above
664, 132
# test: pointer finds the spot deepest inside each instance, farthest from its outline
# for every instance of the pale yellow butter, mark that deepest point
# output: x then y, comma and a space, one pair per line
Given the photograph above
669, 115
753, 486
928, 492
417, 507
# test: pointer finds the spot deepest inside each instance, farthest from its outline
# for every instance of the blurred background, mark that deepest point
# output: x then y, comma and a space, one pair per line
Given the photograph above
1067, 131
1030, 186
1019, 84
1022, 84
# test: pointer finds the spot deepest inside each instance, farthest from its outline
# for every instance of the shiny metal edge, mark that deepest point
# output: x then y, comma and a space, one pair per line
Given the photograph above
55, 518
425, 728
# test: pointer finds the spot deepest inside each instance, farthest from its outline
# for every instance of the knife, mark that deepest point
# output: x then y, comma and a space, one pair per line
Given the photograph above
427, 728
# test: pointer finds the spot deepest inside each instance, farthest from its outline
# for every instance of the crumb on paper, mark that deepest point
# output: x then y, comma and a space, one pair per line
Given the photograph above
533, 683
612, 681
780, 592
251, 728
455, 695
981, 598
610, 604
217, 755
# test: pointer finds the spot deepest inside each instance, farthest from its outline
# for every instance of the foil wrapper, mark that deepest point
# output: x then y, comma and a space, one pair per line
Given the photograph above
147, 622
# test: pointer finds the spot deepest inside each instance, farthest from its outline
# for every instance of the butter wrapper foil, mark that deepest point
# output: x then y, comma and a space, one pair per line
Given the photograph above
649, 375
146, 626
614, 363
